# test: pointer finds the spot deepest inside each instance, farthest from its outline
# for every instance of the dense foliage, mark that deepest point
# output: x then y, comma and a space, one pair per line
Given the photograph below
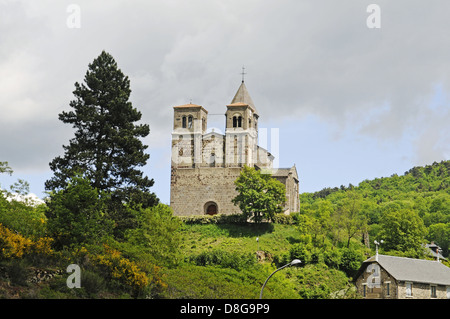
405, 211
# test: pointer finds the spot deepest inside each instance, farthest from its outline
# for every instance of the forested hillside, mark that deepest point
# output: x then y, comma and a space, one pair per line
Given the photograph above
402, 210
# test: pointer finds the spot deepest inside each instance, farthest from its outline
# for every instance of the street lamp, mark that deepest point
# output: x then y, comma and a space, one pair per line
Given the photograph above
292, 263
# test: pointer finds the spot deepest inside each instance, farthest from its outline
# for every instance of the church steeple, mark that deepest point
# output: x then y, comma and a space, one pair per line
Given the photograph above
241, 129
243, 97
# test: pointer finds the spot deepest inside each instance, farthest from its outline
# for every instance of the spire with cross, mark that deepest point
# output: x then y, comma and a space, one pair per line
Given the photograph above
243, 73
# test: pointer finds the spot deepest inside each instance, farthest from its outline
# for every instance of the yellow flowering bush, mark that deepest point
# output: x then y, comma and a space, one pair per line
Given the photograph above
42, 246
112, 265
120, 268
14, 245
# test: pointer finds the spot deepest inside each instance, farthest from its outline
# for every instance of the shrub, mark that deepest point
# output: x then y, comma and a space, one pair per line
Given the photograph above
351, 261
17, 272
332, 258
301, 251
112, 266
223, 259
116, 267
318, 281
15, 245
28, 220
289, 219
92, 282
214, 219
77, 215
157, 236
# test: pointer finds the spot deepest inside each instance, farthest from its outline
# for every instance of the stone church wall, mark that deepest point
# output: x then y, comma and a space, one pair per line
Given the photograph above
193, 188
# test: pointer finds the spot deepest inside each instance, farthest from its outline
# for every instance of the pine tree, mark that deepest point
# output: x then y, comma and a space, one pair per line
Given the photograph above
106, 149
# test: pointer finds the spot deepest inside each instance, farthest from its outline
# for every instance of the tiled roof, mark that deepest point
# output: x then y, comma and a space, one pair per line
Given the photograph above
190, 105
415, 270
242, 97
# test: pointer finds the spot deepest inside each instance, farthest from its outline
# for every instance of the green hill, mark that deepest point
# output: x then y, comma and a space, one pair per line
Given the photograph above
424, 191
224, 257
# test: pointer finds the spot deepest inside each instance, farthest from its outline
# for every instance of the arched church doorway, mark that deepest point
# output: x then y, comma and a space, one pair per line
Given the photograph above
211, 208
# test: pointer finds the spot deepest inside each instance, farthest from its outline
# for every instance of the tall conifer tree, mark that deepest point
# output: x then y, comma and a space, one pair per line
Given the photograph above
106, 148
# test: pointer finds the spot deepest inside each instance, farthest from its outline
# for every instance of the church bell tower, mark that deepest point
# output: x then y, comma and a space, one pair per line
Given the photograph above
241, 130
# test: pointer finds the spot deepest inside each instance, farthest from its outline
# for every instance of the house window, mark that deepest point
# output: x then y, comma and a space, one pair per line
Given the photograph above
184, 122
433, 291
409, 289
364, 290
448, 292
388, 289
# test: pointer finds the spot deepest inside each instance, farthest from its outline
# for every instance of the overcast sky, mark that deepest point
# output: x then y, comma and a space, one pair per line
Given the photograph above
350, 102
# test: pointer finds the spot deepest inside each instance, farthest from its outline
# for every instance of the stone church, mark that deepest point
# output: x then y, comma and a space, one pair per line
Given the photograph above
206, 164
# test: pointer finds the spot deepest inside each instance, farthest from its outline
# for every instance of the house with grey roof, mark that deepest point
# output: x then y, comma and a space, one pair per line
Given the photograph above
434, 250
391, 277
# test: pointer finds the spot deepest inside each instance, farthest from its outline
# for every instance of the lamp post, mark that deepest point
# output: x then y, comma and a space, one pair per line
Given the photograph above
292, 263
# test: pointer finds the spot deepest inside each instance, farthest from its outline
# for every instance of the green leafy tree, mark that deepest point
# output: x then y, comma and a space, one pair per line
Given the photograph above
157, 235
259, 195
403, 231
76, 215
106, 148
348, 218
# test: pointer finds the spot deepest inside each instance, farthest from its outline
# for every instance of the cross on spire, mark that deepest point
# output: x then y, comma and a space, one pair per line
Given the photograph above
243, 73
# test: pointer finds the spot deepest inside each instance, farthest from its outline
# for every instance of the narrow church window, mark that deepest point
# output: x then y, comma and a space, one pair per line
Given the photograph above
212, 160
190, 121
184, 122
237, 121
235, 148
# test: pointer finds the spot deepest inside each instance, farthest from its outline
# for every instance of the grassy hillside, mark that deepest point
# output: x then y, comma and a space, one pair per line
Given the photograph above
220, 261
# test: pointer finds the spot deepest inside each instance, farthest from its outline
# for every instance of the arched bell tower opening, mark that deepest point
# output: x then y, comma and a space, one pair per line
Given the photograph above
211, 208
